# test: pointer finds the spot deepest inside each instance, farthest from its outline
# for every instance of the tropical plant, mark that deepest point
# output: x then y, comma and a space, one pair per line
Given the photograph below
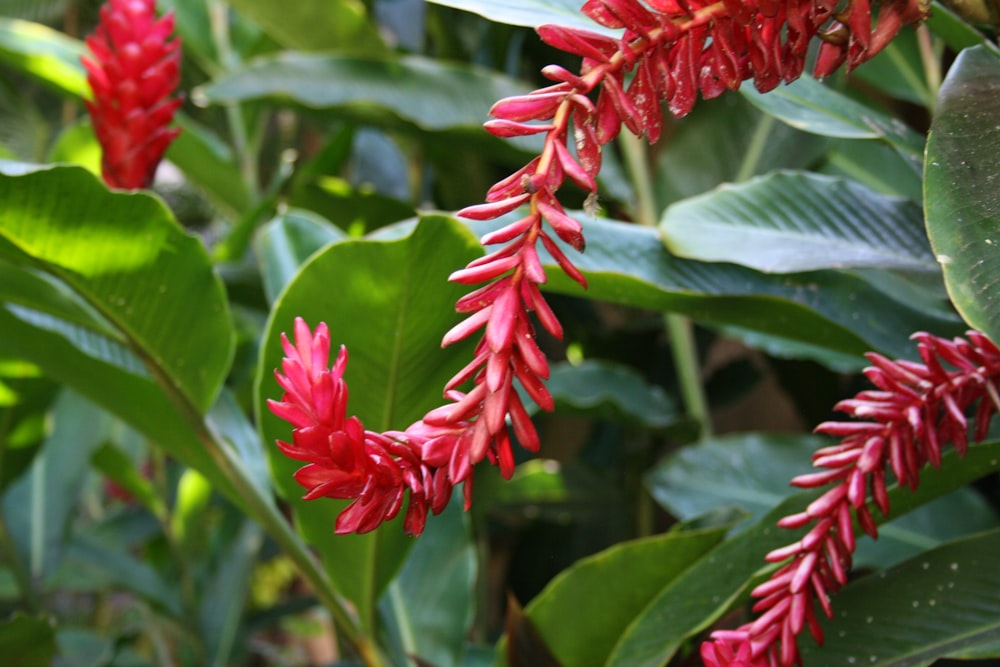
190, 468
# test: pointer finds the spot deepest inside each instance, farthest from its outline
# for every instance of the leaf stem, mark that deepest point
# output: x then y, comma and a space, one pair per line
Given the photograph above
679, 327
219, 23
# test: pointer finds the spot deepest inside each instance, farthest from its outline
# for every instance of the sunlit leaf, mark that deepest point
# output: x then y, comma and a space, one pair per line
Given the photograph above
44, 53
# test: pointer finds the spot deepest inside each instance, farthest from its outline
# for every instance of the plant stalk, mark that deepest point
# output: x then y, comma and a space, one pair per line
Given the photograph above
679, 327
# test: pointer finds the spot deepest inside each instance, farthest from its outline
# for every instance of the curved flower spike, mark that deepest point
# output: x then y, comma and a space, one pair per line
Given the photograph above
917, 409
133, 72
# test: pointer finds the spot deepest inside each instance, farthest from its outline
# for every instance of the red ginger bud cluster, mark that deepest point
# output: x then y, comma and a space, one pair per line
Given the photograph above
902, 425
674, 49
133, 73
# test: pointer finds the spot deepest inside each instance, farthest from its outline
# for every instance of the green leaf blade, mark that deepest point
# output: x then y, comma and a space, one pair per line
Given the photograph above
115, 250
433, 95
960, 193
390, 304
796, 221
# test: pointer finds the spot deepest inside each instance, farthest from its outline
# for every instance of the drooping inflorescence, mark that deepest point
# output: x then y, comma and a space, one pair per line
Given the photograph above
134, 72
667, 50
916, 410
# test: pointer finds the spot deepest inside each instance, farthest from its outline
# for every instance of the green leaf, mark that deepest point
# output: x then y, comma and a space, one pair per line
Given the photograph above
390, 304
609, 391
876, 165
224, 595
898, 70
431, 94
115, 250
209, 163
839, 311
39, 506
116, 465
810, 106
427, 614
286, 242
728, 140
586, 608
796, 221
752, 471
529, 13
694, 602
46, 54
102, 567
315, 25
935, 604
962, 202
28, 641
956, 32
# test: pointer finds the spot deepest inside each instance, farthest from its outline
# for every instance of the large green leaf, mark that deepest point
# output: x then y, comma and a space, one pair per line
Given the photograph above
728, 140
629, 264
609, 391
529, 13
810, 106
286, 242
44, 53
961, 197
752, 471
694, 602
938, 603
429, 93
429, 615
115, 250
209, 163
315, 25
797, 221
39, 506
583, 611
389, 303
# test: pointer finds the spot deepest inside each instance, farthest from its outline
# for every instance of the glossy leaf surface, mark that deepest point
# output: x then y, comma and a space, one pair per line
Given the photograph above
115, 250
433, 95
693, 603
939, 603
795, 221
390, 304
962, 199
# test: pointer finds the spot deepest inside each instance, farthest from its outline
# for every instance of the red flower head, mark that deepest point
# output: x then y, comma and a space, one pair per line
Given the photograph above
133, 75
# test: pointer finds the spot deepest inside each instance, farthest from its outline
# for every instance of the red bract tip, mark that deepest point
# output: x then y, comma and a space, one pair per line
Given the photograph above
133, 72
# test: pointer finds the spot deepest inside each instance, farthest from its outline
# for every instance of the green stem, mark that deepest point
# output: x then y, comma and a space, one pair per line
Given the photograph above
931, 60
679, 327
245, 155
267, 514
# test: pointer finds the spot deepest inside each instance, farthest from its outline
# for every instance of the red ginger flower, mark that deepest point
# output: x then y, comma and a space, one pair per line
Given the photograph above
916, 410
676, 49
133, 75
343, 459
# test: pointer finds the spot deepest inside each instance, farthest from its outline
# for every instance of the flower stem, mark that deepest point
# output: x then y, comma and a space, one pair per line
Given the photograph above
679, 327
219, 22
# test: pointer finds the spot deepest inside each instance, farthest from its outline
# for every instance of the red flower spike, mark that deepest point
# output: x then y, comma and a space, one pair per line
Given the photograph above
670, 50
133, 72
921, 407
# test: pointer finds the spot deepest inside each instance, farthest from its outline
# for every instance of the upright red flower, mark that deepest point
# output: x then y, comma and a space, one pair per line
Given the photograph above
134, 72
